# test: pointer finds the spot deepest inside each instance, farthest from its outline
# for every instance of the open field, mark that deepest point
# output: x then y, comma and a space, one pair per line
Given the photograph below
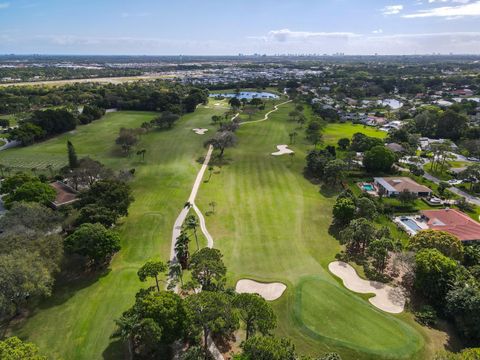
103, 80
272, 225
334, 132
76, 323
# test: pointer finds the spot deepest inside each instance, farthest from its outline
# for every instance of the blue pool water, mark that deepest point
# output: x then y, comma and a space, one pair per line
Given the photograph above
368, 187
248, 95
411, 224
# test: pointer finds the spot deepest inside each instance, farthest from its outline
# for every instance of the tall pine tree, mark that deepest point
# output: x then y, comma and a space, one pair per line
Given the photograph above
72, 156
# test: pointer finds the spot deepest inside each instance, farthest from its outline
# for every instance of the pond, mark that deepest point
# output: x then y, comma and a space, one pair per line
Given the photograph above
394, 104
247, 95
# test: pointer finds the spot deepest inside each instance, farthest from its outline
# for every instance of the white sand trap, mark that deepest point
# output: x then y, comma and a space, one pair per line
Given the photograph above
269, 291
282, 150
387, 298
199, 131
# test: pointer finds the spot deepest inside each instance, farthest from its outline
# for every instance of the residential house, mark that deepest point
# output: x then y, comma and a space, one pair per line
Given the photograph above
393, 186
454, 222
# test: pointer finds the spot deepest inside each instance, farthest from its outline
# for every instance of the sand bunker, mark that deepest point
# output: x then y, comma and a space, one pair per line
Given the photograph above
282, 150
269, 291
199, 131
387, 298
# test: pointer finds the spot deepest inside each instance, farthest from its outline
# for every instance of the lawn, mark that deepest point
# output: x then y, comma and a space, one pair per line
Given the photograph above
271, 224
335, 131
95, 140
77, 322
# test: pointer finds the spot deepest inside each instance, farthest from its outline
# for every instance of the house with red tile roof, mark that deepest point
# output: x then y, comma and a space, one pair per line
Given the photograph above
454, 222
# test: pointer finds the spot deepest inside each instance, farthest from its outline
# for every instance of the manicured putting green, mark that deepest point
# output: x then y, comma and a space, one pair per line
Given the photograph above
342, 319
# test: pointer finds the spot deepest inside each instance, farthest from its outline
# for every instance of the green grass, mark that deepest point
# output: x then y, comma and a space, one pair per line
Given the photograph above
77, 321
369, 331
95, 140
335, 131
271, 224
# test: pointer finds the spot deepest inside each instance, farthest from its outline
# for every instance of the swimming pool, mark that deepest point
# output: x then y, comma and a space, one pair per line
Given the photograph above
368, 187
412, 225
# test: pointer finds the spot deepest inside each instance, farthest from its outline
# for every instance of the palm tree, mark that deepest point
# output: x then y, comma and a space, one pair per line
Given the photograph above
191, 223
181, 249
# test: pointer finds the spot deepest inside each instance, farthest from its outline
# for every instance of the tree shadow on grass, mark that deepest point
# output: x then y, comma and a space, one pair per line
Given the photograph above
330, 191
62, 291
70, 280
116, 350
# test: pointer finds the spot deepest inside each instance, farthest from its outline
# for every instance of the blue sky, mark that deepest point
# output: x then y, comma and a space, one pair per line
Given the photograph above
222, 27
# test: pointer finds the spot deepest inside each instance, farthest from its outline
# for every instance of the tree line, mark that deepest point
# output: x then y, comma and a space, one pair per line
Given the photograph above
38, 243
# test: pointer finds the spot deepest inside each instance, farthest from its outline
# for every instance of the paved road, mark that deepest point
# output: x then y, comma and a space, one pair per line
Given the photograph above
9, 144
275, 108
177, 227
469, 198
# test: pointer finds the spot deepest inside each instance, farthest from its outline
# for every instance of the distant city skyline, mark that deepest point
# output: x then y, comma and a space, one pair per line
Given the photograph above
215, 27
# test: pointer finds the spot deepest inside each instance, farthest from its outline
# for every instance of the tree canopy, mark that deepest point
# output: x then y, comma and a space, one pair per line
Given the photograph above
448, 244
93, 241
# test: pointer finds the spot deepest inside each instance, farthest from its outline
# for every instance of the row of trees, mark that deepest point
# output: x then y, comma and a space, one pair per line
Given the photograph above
160, 318
155, 95
43, 124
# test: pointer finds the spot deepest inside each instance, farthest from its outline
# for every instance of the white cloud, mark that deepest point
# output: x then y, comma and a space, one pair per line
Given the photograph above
284, 35
300, 42
392, 9
468, 9
376, 42
4, 5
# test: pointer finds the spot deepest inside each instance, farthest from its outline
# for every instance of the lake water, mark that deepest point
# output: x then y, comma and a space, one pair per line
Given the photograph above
394, 104
247, 95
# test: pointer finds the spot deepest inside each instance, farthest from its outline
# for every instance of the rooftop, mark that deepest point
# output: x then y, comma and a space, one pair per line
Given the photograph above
454, 222
400, 184
65, 194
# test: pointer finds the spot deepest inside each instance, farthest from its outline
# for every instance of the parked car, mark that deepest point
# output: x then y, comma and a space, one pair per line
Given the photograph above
455, 182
